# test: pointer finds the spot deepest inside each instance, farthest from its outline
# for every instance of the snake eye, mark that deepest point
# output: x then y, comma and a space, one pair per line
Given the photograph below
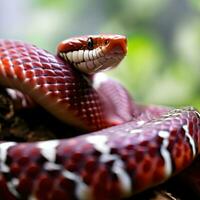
90, 43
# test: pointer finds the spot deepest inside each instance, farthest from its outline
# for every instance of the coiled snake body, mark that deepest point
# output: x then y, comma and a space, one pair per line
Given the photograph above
148, 145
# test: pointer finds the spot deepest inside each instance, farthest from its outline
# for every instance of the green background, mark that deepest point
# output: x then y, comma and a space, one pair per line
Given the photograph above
163, 61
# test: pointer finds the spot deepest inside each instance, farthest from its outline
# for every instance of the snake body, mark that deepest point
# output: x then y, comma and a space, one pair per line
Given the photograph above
107, 164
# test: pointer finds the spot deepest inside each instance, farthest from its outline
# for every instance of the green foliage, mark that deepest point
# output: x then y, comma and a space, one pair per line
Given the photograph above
163, 61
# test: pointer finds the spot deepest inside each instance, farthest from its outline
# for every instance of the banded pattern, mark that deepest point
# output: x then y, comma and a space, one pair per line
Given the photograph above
108, 164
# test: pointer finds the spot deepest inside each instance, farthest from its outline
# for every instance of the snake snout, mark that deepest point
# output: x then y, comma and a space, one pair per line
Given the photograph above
118, 45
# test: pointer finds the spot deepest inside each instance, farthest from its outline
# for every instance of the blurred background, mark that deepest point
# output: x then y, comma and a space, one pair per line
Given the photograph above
163, 61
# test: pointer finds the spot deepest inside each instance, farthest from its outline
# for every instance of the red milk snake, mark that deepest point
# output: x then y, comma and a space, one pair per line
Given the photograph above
147, 146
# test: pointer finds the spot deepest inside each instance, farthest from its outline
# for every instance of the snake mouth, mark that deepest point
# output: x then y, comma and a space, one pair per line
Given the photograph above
92, 61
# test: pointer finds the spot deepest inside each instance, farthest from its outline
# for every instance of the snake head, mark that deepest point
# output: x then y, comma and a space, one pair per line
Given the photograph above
94, 53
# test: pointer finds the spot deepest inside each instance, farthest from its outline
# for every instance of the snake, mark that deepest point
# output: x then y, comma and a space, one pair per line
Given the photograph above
127, 149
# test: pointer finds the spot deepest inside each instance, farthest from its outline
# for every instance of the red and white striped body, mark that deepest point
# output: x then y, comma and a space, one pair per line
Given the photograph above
112, 163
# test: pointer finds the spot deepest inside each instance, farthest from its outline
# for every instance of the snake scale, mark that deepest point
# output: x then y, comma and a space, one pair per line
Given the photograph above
146, 146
